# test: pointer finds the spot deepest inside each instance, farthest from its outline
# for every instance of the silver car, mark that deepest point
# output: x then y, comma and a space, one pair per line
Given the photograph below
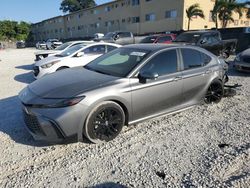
242, 61
126, 86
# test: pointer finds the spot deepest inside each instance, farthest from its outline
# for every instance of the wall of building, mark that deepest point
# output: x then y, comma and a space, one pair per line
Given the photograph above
207, 23
128, 15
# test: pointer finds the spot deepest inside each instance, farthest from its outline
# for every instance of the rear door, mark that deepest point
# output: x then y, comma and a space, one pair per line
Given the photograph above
195, 75
160, 95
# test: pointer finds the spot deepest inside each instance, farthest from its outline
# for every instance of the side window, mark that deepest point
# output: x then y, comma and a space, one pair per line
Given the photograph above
124, 34
191, 58
164, 39
163, 63
205, 58
110, 48
98, 49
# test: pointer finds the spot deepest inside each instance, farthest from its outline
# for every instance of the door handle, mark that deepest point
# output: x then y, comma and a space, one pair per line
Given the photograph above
208, 71
177, 78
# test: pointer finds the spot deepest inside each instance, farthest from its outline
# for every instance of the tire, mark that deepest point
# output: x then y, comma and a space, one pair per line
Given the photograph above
215, 92
61, 68
104, 122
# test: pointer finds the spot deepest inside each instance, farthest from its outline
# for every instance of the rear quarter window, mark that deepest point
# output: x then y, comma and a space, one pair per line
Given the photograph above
194, 59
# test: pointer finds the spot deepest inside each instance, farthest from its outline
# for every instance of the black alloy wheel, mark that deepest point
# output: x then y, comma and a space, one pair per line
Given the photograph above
105, 122
215, 92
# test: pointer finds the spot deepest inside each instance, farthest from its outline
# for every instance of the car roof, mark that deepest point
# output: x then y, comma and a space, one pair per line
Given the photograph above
152, 47
201, 32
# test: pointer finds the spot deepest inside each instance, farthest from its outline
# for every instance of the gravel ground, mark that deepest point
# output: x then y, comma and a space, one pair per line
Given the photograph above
206, 146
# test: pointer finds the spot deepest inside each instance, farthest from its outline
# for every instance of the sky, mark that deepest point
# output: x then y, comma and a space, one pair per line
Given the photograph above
32, 10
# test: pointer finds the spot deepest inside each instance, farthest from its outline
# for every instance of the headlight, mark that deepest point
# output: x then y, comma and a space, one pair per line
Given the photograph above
48, 65
60, 104
238, 57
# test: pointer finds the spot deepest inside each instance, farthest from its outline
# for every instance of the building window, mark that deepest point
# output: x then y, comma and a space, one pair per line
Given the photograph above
107, 9
96, 11
123, 20
211, 16
236, 22
148, 0
150, 17
135, 19
135, 2
97, 25
171, 14
247, 23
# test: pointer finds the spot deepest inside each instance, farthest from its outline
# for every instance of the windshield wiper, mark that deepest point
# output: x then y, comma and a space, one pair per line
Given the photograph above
89, 68
59, 55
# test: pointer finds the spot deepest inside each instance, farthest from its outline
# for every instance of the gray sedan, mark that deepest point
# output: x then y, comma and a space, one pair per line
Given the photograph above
242, 61
123, 87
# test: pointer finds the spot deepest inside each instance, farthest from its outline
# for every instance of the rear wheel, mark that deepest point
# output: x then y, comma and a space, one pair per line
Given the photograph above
215, 92
104, 122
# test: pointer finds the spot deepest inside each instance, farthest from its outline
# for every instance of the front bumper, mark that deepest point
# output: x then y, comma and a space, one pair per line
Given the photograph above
242, 66
55, 124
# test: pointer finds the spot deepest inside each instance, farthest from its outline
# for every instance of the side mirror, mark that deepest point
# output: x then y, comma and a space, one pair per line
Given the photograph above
144, 76
116, 37
203, 41
79, 54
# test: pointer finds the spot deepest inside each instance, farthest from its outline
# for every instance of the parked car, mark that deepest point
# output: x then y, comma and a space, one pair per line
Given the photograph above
210, 40
118, 37
20, 44
123, 87
41, 45
53, 43
242, 61
74, 56
43, 54
164, 38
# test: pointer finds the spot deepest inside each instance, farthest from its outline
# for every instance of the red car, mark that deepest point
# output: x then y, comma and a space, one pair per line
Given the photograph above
164, 38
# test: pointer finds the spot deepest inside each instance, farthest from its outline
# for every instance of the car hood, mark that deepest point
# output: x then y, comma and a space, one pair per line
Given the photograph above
104, 39
69, 83
44, 52
246, 53
48, 60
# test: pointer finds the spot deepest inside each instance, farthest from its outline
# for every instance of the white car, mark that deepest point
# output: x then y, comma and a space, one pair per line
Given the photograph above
53, 43
45, 53
78, 55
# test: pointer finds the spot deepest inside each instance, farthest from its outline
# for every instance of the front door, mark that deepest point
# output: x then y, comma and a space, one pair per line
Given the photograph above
162, 94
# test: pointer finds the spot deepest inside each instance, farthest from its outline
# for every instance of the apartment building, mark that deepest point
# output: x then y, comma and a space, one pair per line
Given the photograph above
137, 16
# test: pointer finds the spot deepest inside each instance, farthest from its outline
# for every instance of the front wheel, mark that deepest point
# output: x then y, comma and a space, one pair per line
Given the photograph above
215, 92
104, 122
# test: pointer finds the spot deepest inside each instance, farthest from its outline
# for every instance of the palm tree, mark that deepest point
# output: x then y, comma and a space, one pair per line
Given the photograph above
217, 6
194, 10
224, 9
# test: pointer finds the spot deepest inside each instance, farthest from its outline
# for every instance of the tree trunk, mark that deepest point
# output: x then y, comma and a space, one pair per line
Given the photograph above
189, 24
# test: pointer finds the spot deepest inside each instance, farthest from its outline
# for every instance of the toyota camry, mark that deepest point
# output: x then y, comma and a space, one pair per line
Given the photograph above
126, 86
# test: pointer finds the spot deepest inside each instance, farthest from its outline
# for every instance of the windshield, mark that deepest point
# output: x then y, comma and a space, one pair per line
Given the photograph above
150, 39
63, 46
119, 62
71, 50
109, 35
188, 37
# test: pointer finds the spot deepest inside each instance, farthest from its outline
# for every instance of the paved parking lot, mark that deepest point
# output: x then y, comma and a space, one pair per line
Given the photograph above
207, 146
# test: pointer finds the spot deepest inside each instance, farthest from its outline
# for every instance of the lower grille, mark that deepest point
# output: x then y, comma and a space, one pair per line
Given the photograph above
36, 70
246, 59
32, 123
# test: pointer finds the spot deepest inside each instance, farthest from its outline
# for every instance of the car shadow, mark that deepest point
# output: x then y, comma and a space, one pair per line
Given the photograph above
25, 67
109, 185
12, 124
25, 78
